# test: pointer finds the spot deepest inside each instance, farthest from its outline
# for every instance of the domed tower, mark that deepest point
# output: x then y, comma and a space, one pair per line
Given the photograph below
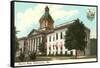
46, 21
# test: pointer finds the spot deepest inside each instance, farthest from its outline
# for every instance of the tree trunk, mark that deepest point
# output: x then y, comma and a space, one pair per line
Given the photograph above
76, 55
84, 52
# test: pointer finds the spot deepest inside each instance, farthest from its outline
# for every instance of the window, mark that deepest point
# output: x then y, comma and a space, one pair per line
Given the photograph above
56, 36
46, 23
61, 35
49, 47
43, 24
49, 38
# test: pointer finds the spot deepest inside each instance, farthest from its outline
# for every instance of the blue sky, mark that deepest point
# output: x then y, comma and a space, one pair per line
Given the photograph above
27, 16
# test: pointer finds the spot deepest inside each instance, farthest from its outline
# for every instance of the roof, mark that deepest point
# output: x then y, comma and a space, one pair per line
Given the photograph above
58, 27
46, 15
33, 31
65, 25
23, 38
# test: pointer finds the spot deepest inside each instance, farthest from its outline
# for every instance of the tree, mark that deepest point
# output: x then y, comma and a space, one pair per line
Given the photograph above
75, 36
32, 55
42, 48
22, 56
16, 41
16, 45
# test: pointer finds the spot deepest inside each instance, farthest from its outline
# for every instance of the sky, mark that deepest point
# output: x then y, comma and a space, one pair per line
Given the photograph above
27, 16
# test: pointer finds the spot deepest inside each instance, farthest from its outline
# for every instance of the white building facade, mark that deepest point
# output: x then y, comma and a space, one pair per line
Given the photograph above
56, 41
54, 37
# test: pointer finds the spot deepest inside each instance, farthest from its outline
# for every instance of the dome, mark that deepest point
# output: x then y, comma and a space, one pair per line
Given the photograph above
46, 15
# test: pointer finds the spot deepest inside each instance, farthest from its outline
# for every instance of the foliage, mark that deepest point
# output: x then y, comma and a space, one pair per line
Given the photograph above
75, 36
32, 56
42, 48
21, 57
16, 42
16, 45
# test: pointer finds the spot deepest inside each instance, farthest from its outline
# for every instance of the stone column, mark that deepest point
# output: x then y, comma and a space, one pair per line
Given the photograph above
48, 49
73, 51
41, 39
63, 49
51, 49
59, 50
30, 45
34, 44
37, 44
54, 49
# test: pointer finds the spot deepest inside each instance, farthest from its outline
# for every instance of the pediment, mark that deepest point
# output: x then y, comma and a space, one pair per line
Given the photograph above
33, 32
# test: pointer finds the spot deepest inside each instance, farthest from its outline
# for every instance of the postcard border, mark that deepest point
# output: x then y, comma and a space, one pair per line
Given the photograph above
12, 35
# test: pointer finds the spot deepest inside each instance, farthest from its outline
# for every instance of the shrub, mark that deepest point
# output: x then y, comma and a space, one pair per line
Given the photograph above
21, 57
32, 56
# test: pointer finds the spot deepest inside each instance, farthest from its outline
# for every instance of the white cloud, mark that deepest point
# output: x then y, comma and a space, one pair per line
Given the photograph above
32, 15
93, 34
58, 13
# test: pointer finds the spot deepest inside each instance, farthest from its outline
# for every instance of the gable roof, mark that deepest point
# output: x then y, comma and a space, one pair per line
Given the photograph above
34, 30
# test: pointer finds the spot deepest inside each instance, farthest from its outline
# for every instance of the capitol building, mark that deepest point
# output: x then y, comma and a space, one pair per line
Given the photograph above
52, 36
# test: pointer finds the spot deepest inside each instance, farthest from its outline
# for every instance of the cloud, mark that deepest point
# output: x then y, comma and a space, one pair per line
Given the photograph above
60, 14
93, 34
31, 16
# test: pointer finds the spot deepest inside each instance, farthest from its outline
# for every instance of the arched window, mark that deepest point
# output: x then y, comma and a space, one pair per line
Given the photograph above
42, 24
46, 23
